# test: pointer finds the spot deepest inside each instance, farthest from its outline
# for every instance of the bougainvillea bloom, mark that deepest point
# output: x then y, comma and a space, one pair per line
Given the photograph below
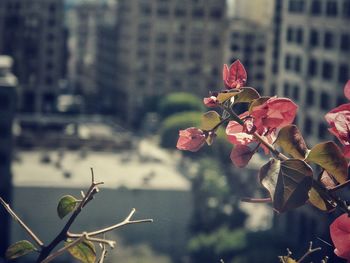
347, 90
237, 133
340, 234
274, 113
234, 76
339, 120
210, 102
191, 139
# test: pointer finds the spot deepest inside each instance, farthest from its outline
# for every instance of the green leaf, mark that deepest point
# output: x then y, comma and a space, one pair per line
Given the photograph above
224, 96
84, 251
210, 120
329, 157
247, 94
288, 182
257, 102
316, 199
66, 205
19, 249
292, 142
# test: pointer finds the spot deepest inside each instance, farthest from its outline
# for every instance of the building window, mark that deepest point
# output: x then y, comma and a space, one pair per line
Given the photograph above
286, 89
4, 102
234, 47
345, 42
296, 92
314, 38
198, 13
288, 60
316, 7
163, 11
297, 64
324, 101
300, 35
310, 94
216, 13
346, 8
343, 75
341, 100
180, 12
290, 34
313, 67
327, 70
328, 40
296, 6
331, 8
322, 130
308, 126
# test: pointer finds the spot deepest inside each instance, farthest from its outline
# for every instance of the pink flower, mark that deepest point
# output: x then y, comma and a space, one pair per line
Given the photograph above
237, 133
234, 76
339, 120
274, 113
340, 234
347, 90
191, 139
210, 102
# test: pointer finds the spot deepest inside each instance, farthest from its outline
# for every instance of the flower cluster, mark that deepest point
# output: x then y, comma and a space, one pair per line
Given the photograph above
268, 124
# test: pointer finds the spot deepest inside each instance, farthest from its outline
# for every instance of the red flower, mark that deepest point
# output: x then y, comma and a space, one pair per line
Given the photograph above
237, 133
191, 139
274, 113
235, 76
339, 120
340, 234
210, 102
347, 90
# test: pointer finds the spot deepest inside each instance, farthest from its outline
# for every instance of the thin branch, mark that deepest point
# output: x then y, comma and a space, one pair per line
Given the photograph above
21, 223
126, 221
309, 252
63, 233
110, 243
63, 249
256, 200
103, 254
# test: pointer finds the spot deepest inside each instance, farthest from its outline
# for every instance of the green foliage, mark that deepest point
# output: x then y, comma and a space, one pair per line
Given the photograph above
170, 127
179, 102
222, 243
66, 205
329, 156
19, 249
84, 251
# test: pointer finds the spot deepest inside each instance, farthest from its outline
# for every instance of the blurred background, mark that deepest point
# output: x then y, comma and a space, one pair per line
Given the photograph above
108, 83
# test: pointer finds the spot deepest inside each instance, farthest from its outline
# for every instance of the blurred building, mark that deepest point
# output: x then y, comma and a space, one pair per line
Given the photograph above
32, 33
247, 41
8, 84
258, 11
166, 46
314, 59
83, 22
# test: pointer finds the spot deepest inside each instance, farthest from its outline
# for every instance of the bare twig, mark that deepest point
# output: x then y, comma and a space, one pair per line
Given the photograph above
126, 221
256, 200
21, 223
110, 243
103, 253
308, 252
63, 249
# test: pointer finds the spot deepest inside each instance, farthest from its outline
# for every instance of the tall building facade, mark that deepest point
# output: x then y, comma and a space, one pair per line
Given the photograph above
247, 41
166, 46
32, 33
8, 85
314, 60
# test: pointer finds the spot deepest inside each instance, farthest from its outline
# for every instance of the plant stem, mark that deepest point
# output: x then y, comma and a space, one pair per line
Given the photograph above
126, 221
21, 223
308, 252
62, 235
63, 249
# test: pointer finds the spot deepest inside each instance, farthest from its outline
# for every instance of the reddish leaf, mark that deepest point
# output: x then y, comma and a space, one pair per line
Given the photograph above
319, 201
191, 139
292, 142
241, 155
340, 234
347, 90
327, 180
234, 76
288, 183
339, 120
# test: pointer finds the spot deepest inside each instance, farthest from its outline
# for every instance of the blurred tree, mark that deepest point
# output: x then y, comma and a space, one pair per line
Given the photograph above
179, 102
